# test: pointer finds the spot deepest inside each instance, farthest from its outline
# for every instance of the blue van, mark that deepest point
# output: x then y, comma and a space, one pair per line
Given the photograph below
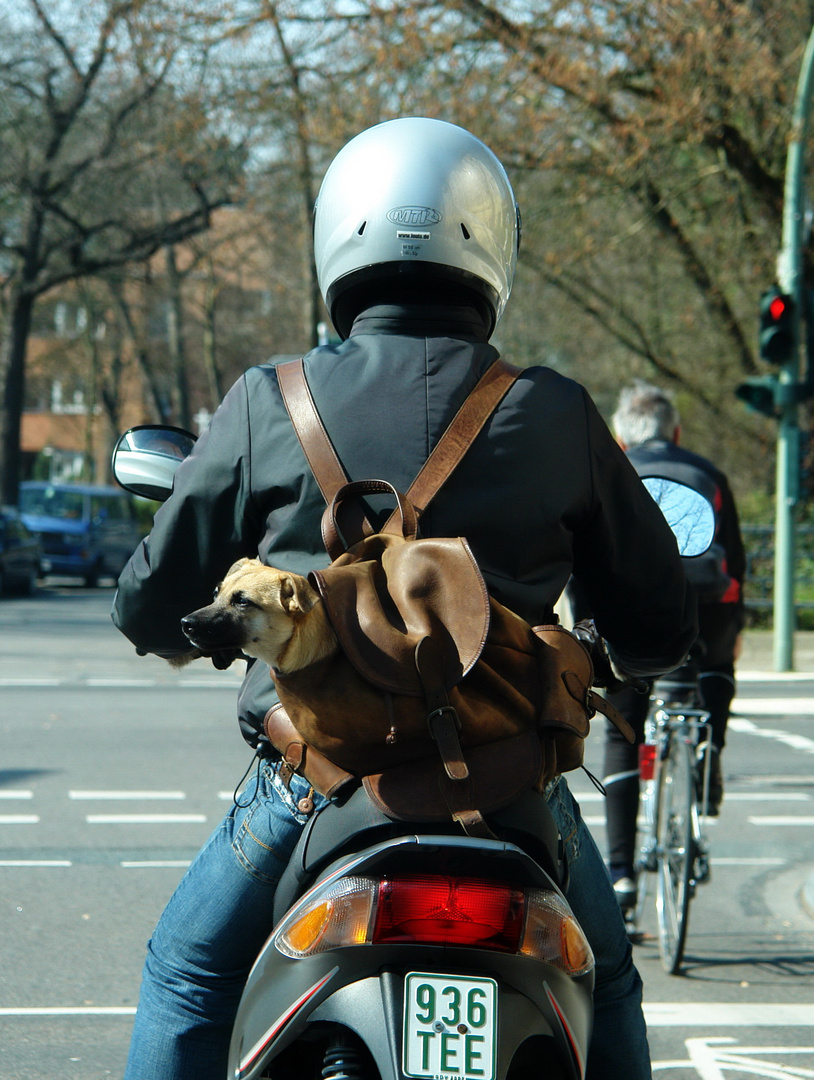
85, 530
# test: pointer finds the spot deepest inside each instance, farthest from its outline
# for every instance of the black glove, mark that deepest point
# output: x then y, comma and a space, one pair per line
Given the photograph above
605, 674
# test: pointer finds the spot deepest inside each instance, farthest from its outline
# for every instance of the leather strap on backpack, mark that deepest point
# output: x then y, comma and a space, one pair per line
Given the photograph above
461, 433
450, 449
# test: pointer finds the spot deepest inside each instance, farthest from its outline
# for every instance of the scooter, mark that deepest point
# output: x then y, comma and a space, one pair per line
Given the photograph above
414, 951
410, 950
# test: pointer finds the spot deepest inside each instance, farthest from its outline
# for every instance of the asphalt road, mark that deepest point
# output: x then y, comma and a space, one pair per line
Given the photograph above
115, 768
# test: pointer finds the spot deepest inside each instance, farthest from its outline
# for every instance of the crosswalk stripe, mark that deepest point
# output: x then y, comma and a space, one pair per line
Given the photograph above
706, 1014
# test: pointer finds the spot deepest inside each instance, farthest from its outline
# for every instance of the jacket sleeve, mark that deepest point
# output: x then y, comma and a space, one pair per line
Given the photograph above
626, 562
208, 523
731, 535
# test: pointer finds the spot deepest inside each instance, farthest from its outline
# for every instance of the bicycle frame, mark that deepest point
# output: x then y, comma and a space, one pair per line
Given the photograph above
675, 800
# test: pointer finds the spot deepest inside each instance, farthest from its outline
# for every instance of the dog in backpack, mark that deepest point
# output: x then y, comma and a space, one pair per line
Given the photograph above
271, 614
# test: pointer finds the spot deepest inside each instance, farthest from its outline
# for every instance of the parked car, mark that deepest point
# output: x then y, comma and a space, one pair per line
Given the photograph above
86, 531
20, 554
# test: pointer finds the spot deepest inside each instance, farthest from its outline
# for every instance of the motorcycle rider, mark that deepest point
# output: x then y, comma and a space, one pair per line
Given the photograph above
416, 237
648, 427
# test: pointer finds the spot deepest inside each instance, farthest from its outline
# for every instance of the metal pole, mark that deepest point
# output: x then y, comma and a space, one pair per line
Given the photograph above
789, 276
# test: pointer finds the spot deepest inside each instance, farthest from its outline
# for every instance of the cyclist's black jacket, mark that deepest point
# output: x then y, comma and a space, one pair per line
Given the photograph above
663, 458
544, 490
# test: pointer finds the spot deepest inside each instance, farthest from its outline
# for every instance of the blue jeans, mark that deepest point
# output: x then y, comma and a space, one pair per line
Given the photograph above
618, 1049
220, 915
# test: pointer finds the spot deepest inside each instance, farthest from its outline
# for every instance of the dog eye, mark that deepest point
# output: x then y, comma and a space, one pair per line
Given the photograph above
240, 600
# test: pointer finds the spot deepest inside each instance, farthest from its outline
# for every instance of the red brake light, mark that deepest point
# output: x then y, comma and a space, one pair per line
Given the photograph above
647, 761
449, 911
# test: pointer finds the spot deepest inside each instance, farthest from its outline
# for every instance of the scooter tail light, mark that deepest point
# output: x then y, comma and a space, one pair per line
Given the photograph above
553, 935
336, 916
439, 910
436, 910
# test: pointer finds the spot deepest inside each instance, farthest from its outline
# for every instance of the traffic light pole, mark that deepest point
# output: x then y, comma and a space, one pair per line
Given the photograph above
789, 273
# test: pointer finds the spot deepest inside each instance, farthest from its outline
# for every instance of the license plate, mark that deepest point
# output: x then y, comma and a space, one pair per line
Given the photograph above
450, 1026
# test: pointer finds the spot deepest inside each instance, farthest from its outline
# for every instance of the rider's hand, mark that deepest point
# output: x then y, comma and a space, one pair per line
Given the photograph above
606, 674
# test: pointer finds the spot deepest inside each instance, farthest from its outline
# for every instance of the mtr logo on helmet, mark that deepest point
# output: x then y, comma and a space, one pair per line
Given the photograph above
413, 217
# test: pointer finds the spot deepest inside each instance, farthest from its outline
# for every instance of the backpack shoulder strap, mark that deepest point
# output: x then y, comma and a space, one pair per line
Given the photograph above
318, 448
461, 433
450, 449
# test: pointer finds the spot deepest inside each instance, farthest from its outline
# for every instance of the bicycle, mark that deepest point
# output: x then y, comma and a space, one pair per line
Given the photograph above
675, 798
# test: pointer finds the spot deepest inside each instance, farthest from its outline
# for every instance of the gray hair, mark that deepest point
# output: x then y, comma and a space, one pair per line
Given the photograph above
644, 412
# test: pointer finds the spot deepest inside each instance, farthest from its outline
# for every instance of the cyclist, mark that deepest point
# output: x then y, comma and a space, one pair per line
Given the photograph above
647, 426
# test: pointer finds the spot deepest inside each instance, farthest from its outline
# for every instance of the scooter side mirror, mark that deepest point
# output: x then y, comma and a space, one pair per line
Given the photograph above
689, 513
146, 457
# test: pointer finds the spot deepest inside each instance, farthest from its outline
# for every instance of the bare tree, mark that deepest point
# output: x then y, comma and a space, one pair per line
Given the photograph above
80, 164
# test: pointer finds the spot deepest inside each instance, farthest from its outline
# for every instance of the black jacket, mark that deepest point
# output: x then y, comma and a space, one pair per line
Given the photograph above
543, 490
663, 458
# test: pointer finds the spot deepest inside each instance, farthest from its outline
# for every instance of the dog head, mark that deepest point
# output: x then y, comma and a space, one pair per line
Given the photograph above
256, 609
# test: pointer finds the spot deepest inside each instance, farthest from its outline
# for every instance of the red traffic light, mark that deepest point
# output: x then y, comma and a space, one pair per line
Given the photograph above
777, 332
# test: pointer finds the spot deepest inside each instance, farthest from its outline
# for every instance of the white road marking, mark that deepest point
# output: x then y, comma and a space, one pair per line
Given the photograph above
71, 1010
755, 860
35, 862
767, 796
31, 682
709, 1057
117, 795
107, 683
657, 1013
19, 819
16, 794
773, 706
771, 821
155, 864
796, 742
145, 819
727, 1014
774, 676
731, 796
205, 684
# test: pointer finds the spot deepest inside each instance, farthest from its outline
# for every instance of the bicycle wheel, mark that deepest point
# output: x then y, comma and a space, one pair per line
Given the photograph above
675, 850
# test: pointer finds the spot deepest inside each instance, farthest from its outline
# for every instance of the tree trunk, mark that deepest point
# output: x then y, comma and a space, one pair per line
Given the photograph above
210, 339
152, 391
175, 335
12, 370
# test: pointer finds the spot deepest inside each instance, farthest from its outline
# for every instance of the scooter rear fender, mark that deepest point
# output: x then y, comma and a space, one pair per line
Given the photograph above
363, 990
283, 996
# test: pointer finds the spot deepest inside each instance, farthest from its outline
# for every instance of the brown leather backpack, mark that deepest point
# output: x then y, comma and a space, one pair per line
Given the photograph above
440, 699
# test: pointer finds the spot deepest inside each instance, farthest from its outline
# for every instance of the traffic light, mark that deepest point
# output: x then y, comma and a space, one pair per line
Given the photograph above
776, 326
759, 394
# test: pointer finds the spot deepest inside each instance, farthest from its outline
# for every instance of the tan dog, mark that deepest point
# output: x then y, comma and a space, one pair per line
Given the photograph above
267, 613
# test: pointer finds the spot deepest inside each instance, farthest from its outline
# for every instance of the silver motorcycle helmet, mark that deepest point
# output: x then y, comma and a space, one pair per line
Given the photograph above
420, 200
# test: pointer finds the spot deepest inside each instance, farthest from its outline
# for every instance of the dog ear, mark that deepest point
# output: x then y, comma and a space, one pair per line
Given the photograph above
296, 595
